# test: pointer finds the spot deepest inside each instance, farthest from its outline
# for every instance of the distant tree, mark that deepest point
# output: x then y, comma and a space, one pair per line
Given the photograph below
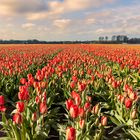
100, 38
106, 38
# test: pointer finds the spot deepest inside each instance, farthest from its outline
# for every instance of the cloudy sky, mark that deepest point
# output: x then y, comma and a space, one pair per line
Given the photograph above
68, 19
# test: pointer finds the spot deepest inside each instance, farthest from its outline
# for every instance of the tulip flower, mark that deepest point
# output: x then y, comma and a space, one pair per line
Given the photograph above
134, 114
81, 123
69, 103
95, 109
1, 100
34, 116
128, 103
81, 112
72, 84
20, 106
74, 111
70, 133
87, 105
23, 81
2, 108
37, 99
43, 108
104, 120
17, 118
81, 87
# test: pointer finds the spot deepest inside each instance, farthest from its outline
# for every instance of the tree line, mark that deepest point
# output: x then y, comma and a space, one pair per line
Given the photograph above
104, 40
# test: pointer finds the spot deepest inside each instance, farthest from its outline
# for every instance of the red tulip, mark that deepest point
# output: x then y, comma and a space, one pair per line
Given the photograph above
128, 103
37, 99
104, 120
77, 100
74, 111
114, 84
87, 105
43, 108
23, 93
81, 112
81, 123
95, 109
132, 95
81, 87
29, 76
43, 84
89, 98
72, 84
89, 71
23, 81
75, 79
17, 118
1, 100
20, 106
69, 103
2, 108
34, 116
70, 133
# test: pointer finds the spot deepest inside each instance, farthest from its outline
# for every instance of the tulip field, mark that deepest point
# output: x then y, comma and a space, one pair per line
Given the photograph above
69, 92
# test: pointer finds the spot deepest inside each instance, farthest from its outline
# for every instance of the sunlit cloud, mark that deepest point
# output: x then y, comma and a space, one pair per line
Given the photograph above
68, 19
28, 25
62, 23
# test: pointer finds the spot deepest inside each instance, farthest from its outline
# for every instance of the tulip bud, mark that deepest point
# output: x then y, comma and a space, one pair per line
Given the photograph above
23, 81
89, 98
104, 120
114, 84
132, 95
75, 79
38, 90
74, 111
72, 84
37, 99
89, 71
34, 116
77, 100
2, 108
95, 109
122, 98
43, 108
81, 123
81, 87
128, 103
69, 103
43, 84
70, 133
134, 114
1, 100
87, 105
17, 118
20, 106
81, 112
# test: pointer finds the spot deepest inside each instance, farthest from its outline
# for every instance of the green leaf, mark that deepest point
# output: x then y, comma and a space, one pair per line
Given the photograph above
114, 120
15, 130
6, 138
117, 128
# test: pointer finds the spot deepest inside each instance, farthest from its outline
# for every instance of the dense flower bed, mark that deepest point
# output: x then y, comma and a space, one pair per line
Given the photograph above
71, 92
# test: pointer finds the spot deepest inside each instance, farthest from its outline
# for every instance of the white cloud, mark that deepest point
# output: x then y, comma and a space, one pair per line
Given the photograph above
28, 25
68, 18
20, 7
90, 21
42, 9
62, 23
